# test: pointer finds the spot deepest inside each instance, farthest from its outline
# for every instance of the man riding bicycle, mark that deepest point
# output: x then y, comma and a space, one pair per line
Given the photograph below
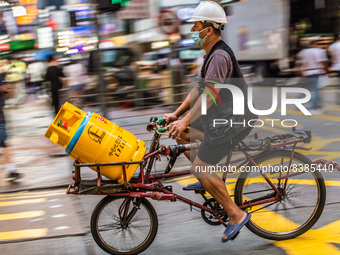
219, 65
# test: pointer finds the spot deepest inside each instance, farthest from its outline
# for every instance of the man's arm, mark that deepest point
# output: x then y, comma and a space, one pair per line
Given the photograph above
184, 107
195, 111
219, 68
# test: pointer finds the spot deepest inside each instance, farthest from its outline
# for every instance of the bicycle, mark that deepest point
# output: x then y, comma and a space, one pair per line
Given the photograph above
283, 189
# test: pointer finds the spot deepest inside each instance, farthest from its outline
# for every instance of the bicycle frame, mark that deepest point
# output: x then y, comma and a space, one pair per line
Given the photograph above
148, 185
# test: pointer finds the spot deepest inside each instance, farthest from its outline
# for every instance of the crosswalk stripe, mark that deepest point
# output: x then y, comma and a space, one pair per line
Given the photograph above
21, 215
22, 202
23, 234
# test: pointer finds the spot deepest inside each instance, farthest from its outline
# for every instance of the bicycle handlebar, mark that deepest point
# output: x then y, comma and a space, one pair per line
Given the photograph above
158, 125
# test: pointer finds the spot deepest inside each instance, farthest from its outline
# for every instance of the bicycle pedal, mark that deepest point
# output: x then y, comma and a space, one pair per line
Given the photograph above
169, 188
201, 192
233, 238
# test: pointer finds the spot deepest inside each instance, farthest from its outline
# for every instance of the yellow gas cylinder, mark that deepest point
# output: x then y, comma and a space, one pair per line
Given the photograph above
90, 138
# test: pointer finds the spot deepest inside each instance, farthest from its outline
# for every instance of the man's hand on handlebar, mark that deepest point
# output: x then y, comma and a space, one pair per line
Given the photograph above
177, 127
170, 117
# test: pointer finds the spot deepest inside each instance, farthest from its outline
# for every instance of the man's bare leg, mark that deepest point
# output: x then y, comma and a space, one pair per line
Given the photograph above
6, 154
186, 138
216, 187
210, 181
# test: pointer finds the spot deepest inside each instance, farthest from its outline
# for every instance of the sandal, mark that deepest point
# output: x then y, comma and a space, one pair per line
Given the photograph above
197, 186
232, 231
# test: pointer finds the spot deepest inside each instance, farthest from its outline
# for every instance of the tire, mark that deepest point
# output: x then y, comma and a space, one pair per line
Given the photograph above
115, 238
300, 207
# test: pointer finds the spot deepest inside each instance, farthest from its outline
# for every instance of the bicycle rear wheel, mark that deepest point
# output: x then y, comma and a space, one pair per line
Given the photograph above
297, 210
123, 225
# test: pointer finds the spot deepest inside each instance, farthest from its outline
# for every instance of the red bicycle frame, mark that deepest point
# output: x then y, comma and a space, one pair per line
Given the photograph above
148, 185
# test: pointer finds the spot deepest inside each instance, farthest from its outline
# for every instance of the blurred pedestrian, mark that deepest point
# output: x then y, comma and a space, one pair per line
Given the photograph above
35, 75
54, 75
3, 69
312, 63
16, 71
75, 72
10, 168
334, 52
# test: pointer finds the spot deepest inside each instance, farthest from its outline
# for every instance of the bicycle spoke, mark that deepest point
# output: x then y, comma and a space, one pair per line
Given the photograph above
264, 207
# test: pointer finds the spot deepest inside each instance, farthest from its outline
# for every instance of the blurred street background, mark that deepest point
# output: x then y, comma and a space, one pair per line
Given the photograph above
128, 61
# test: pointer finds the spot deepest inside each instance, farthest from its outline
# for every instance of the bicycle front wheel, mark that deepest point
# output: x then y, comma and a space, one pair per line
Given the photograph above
299, 206
123, 225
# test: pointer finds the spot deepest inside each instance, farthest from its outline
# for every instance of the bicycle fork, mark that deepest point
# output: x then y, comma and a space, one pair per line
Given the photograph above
124, 215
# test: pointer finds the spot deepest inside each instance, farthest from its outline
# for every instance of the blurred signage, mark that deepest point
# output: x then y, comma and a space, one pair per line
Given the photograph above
174, 3
4, 47
168, 22
8, 24
64, 38
187, 42
120, 40
80, 16
57, 4
158, 45
5, 39
3, 4
229, 1
185, 13
22, 45
45, 37
23, 37
31, 12
138, 9
19, 11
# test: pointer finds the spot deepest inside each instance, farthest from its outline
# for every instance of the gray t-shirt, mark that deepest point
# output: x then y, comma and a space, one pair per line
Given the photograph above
219, 66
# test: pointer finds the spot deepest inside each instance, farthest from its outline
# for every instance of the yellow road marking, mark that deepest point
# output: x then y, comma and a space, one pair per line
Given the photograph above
22, 215
276, 130
23, 234
179, 178
323, 117
262, 180
266, 218
22, 202
335, 108
27, 193
318, 241
33, 196
267, 120
332, 183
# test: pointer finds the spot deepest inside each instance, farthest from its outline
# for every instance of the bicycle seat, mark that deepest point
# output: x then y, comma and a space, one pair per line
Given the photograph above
197, 186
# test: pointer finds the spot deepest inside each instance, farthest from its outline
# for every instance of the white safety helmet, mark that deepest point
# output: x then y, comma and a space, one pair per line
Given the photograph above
210, 11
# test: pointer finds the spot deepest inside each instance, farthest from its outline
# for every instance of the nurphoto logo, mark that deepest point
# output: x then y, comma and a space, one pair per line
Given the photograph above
239, 104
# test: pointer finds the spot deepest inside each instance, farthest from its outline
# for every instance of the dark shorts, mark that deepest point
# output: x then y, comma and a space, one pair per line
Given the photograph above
212, 154
3, 135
